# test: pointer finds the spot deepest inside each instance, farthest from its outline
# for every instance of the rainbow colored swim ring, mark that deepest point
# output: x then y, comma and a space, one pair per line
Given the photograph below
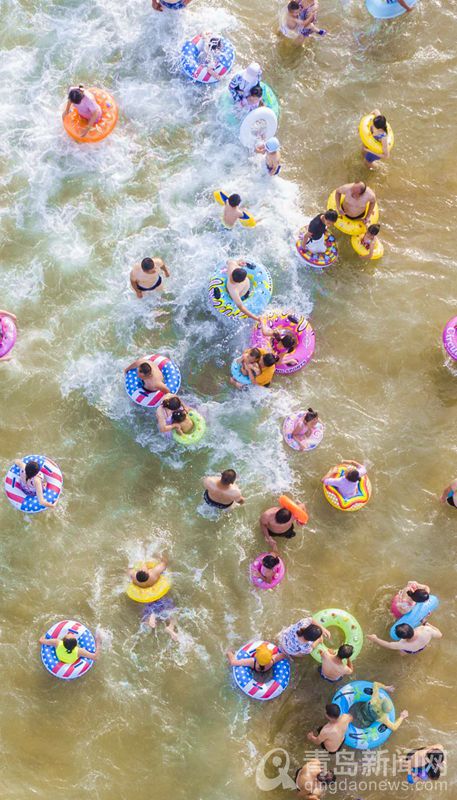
336, 499
59, 669
363, 738
386, 9
278, 573
247, 680
450, 338
194, 66
283, 322
311, 442
318, 260
261, 288
8, 335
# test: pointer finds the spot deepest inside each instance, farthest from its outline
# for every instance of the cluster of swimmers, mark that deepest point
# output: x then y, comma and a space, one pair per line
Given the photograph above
148, 582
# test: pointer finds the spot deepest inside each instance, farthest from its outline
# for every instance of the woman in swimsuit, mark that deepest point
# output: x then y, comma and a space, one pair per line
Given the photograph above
406, 598
32, 481
425, 764
378, 130
164, 412
304, 427
146, 277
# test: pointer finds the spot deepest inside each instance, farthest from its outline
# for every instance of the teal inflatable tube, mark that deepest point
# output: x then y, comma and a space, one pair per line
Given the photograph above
363, 738
387, 9
416, 616
227, 105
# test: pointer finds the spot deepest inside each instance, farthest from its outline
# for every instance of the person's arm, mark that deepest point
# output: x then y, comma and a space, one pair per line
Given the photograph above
266, 535
82, 653
37, 482
436, 633
134, 285
164, 267
385, 147
405, 5
135, 364
316, 739
414, 585
156, 5
389, 645
349, 666
50, 642
338, 194
8, 314
260, 148
240, 500
371, 206
394, 726
239, 662
67, 109
91, 122
19, 463
278, 657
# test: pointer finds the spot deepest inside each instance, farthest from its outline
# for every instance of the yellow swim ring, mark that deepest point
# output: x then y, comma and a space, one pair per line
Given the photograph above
150, 593
336, 499
361, 250
368, 139
352, 227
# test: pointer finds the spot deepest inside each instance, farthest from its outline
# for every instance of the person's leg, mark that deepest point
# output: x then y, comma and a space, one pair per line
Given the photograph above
152, 621
235, 383
170, 628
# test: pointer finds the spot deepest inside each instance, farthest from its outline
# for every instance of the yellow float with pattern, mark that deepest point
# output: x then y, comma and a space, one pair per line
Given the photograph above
355, 503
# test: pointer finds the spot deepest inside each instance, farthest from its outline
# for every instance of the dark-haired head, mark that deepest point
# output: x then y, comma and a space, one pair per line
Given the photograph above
289, 342
352, 475
345, 651
234, 200
270, 562
380, 122
435, 759
269, 359
256, 91
419, 596
239, 275
228, 476
282, 516
172, 403
254, 352
293, 6
374, 229
147, 264
31, 469
141, 576
145, 368
76, 95
311, 633
310, 415
404, 631
331, 215
69, 642
179, 415
332, 710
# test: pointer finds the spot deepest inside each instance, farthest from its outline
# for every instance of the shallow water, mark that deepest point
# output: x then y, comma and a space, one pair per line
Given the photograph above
152, 717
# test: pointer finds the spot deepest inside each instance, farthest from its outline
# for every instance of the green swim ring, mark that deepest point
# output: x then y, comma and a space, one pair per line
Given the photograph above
188, 439
346, 623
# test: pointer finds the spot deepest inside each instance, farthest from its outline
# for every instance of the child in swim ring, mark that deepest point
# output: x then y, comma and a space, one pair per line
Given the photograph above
369, 240
272, 151
185, 423
405, 599
267, 570
254, 99
86, 106
262, 661
304, 427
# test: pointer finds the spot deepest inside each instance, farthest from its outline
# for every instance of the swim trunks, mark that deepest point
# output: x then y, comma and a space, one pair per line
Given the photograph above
209, 501
330, 680
289, 534
150, 288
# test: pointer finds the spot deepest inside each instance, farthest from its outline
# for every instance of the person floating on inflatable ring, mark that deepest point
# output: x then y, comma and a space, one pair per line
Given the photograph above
67, 649
377, 709
145, 577
348, 483
359, 201
313, 239
262, 661
33, 482
379, 132
86, 106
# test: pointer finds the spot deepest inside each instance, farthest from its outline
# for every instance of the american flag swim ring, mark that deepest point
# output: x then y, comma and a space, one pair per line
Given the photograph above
28, 503
135, 388
195, 61
246, 680
68, 672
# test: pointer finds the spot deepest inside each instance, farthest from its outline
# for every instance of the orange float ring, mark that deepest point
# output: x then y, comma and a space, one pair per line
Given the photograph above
74, 123
336, 499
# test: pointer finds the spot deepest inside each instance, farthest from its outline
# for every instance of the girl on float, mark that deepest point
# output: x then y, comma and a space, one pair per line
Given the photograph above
378, 129
33, 482
348, 483
67, 649
86, 106
266, 571
406, 598
261, 662
304, 427
170, 403
11, 316
425, 764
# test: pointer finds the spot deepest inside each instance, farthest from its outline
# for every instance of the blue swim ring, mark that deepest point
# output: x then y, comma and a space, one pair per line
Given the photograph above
416, 616
376, 733
387, 9
194, 63
259, 295
235, 370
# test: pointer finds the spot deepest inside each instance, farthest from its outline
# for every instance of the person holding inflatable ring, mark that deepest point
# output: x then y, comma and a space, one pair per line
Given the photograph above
86, 106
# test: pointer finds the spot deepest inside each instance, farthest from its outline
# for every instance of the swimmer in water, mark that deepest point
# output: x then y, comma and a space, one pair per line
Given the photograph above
378, 130
150, 374
283, 342
67, 649
241, 84
148, 275
312, 781
412, 640
262, 660
267, 570
254, 99
448, 493
378, 708
3, 313
267, 364
278, 522
232, 211
164, 608
348, 483
157, 5
313, 239
425, 763
332, 734
369, 240
358, 203
33, 482
221, 491
333, 668
239, 285
86, 106
272, 151
304, 427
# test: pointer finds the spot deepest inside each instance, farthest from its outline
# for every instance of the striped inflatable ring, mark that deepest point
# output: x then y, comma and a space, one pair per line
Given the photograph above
245, 678
194, 68
135, 388
68, 672
336, 499
28, 503
318, 260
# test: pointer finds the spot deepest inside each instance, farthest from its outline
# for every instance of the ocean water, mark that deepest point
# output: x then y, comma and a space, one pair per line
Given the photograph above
153, 716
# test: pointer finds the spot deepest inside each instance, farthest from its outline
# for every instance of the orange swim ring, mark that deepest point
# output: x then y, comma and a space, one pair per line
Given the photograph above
355, 503
74, 124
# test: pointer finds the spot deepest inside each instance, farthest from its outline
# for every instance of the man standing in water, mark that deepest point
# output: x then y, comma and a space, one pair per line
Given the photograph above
358, 201
331, 735
278, 522
221, 491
